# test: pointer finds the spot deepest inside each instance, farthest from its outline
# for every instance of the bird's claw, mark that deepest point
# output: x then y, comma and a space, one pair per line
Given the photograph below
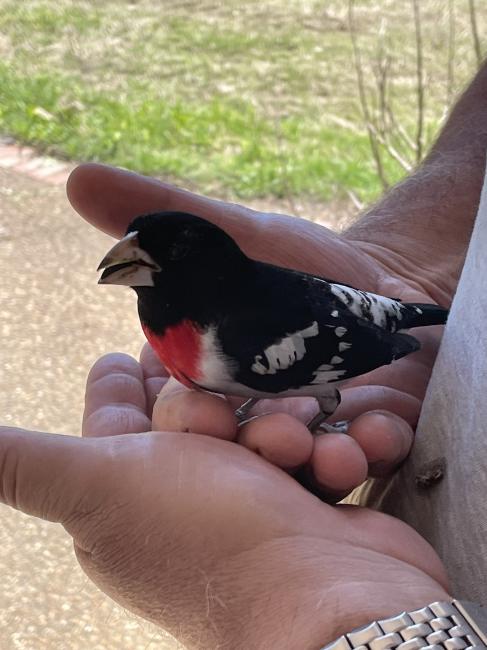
242, 413
338, 427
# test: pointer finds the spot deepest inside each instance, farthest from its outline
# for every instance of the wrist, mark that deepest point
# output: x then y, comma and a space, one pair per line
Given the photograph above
304, 593
450, 624
424, 223
400, 273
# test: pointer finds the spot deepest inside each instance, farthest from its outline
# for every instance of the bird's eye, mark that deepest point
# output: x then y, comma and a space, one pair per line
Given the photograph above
178, 251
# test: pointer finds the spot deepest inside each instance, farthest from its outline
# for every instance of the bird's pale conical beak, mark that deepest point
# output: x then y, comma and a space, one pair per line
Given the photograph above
128, 264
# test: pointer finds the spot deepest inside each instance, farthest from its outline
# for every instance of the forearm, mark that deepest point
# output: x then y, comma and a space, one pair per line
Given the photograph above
429, 216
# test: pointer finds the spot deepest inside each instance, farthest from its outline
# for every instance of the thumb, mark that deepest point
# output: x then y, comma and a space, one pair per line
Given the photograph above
179, 409
46, 475
110, 198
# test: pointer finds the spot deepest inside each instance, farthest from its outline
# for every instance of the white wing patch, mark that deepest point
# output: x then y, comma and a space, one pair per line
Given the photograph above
369, 305
327, 373
282, 355
336, 360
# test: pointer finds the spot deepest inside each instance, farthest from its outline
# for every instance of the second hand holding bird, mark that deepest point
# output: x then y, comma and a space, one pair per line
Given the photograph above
382, 406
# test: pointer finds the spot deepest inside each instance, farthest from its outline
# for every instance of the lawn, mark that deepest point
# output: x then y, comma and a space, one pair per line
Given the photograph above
239, 99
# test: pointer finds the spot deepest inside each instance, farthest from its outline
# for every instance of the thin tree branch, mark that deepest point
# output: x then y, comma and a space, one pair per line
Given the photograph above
403, 134
392, 151
420, 81
372, 132
381, 73
450, 81
475, 31
355, 200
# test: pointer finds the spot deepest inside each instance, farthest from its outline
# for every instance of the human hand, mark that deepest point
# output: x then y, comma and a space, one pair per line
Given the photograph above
383, 406
203, 537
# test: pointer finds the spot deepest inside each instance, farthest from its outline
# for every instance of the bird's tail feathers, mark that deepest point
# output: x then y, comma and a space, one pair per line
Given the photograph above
404, 344
419, 315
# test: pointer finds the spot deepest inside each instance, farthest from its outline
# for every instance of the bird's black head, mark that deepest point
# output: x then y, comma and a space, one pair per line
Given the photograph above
168, 246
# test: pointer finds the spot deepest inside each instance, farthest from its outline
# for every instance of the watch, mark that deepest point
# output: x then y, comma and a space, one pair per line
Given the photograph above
451, 625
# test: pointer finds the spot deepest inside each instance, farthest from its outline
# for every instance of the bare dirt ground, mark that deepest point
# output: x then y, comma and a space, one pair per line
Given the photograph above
54, 323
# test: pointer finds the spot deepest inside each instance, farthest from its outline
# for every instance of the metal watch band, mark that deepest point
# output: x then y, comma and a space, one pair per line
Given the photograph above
455, 625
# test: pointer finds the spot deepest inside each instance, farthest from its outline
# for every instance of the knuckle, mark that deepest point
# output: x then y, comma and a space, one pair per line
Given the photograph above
118, 387
9, 472
114, 362
113, 419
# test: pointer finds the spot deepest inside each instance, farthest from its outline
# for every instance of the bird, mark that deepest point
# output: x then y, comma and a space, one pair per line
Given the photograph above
223, 322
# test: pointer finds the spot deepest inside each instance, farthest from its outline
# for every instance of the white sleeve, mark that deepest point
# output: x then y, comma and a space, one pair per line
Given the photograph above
450, 451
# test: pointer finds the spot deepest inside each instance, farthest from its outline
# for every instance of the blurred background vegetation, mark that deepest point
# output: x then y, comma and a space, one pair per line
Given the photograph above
328, 100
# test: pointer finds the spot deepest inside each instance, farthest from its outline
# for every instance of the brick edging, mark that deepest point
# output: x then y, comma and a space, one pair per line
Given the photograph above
26, 160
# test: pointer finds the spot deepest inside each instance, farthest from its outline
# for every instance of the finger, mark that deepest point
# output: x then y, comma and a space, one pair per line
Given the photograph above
338, 463
360, 399
115, 401
300, 408
155, 375
279, 438
151, 364
410, 375
46, 475
180, 409
153, 386
355, 402
385, 439
110, 198
375, 445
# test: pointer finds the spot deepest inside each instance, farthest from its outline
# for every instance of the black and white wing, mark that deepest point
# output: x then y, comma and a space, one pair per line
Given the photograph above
306, 339
387, 313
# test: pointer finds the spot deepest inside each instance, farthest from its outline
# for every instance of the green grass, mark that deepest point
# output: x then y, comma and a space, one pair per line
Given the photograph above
243, 100
219, 143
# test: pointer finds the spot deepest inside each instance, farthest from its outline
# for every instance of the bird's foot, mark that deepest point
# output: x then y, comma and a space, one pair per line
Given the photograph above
324, 427
328, 406
244, 409
318, 426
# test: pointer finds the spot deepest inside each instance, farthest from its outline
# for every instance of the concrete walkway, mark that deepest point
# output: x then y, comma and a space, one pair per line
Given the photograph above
55, 321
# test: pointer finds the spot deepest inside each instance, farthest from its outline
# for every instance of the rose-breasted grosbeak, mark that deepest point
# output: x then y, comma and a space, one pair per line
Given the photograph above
222, 322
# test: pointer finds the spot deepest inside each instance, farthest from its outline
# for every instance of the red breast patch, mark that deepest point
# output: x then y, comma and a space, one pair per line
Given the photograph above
179, 349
